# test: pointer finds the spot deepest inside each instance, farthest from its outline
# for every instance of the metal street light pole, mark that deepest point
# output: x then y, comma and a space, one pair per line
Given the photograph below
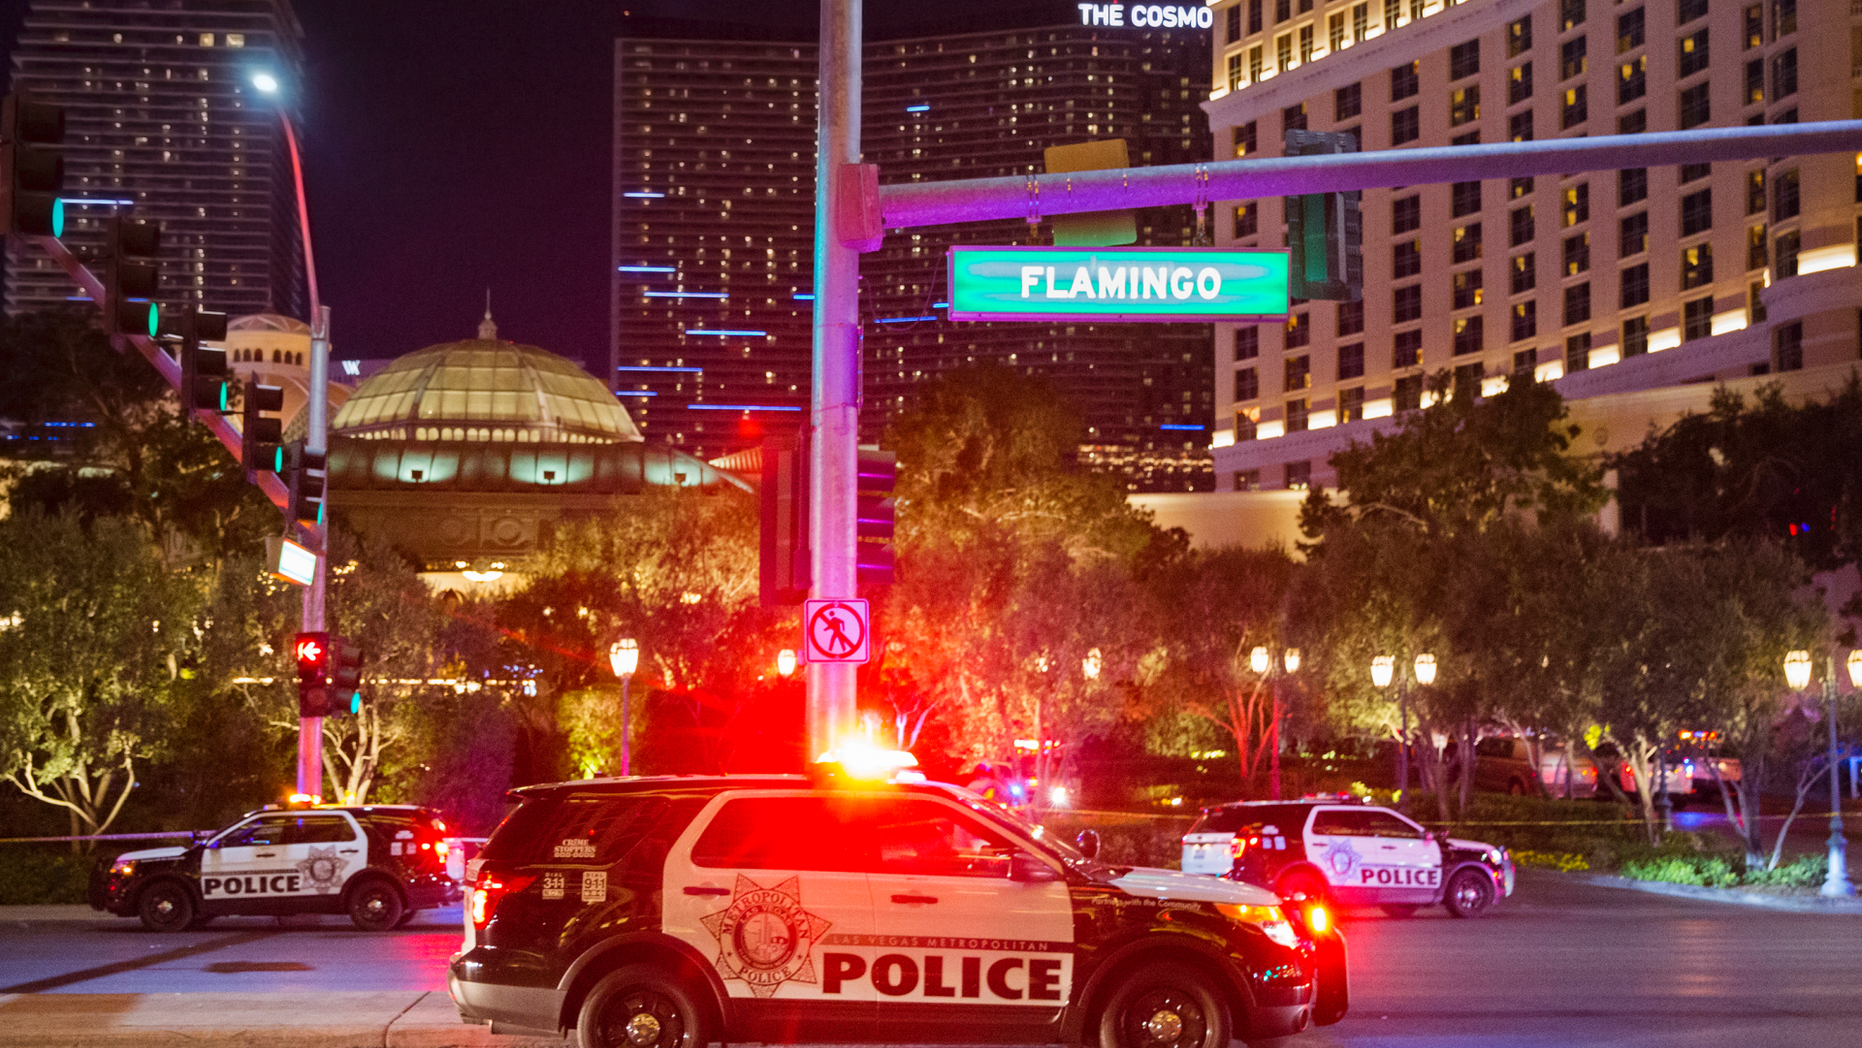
1836, 881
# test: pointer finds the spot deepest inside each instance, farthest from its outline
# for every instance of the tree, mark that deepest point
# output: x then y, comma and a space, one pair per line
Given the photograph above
93, 632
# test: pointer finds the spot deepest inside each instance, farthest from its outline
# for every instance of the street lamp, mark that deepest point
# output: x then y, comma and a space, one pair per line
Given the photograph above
1797, 674
1260, 662
624, 657
785, 662
1091, 664
1425, 669
268, 85
1383, 670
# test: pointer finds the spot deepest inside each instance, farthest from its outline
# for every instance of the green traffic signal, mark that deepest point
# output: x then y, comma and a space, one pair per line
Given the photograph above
58, 217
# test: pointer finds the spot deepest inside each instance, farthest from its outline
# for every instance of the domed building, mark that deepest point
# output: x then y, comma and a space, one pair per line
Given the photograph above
465, 454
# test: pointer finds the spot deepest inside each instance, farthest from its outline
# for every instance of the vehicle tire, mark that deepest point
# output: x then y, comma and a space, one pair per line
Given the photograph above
165, 906
407, 917
1302, 883
1469, 893
375, 905
1164, 1006
1400, 912
201, 920
640, 1006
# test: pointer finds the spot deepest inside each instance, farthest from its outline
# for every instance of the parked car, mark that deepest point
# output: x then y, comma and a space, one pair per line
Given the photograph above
1690, 776
1502, 764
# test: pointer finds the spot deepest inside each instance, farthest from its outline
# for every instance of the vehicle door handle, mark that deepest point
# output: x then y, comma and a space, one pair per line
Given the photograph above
914, 898
264, 855
1387, 847
349, 851
705, 889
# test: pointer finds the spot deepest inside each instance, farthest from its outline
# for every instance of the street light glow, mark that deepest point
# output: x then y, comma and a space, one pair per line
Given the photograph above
1797, 669
1293, 660
624, 657
1091, 664
1257, 659
1383, 668
265, 82
1425, 669
785, 661
1855, 667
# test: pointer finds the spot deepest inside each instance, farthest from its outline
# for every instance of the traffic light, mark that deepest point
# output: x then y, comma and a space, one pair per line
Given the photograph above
303, 474
130, 277
783, 568
877, 511
203, 368
31, 173
345, 676
258, 434
1325, 231
312, 652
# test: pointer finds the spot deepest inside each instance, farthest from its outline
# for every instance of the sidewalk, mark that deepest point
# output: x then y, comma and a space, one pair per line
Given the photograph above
275, 1020
1735, 896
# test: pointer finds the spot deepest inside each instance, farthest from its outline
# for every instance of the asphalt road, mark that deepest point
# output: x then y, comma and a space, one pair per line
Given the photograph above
1560, 964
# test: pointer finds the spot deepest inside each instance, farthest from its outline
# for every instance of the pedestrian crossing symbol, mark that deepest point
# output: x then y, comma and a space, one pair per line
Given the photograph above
836, 631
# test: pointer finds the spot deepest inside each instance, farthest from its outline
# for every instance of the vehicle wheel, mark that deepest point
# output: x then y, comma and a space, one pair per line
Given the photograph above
202, 920
1400, 911
1165, 1006
639, 1006
1469, 894
375, 905
165, 906
1302, 884
407, 917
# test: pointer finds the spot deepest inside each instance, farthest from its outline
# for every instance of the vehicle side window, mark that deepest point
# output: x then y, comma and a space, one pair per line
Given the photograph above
1383, 824
318, 829
784, 833
1338, 823
925, 838
268, 829
1494, 748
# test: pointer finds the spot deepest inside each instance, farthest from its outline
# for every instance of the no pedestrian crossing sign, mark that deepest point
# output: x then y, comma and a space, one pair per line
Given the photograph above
836, 631
1161, 284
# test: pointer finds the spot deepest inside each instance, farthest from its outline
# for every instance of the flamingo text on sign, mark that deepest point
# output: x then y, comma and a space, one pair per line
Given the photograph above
836, 631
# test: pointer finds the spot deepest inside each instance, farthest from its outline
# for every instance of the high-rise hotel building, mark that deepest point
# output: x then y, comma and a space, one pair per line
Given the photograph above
162, 123
713, 228
1609, 283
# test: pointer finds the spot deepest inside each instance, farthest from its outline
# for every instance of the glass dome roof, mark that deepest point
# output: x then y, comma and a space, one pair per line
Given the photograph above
484, 390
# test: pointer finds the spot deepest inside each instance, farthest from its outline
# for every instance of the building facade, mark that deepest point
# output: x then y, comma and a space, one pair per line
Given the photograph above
162, 123
714, 212
1605, 282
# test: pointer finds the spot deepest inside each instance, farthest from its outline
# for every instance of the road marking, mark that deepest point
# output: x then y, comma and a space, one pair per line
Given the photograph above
117, 968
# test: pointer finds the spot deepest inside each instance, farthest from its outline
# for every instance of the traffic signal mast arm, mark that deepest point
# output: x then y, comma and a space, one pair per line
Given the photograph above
912, 204
168, 367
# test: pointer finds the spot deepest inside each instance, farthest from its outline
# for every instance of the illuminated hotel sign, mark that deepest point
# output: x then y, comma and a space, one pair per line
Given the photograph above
1133, 283
1154, 16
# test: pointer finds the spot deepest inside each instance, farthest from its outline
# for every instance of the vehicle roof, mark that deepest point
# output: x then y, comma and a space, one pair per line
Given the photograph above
363, 809
702, 783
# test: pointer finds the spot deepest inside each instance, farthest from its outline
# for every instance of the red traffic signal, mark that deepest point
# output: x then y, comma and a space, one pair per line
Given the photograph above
312, 652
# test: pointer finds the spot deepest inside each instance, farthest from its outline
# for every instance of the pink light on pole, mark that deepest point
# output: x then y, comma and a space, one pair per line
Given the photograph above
267, 85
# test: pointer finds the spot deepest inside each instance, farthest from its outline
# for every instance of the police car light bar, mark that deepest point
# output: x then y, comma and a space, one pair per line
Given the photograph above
867, 762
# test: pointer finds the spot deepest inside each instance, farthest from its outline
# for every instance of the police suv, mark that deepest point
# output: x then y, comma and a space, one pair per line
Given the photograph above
1348, 853
379, 863
674, 912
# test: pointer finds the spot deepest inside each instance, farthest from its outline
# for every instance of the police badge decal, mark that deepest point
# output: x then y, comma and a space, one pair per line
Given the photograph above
765, 937
323, 869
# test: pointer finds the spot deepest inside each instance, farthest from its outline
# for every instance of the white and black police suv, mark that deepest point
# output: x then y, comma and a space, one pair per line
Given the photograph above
379, 863
675, 912
1347, 853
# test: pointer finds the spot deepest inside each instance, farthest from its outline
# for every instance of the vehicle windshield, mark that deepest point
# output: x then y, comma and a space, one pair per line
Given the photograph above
1019, 824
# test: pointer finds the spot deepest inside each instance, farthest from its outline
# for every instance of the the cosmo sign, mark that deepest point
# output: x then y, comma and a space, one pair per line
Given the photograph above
1153, 16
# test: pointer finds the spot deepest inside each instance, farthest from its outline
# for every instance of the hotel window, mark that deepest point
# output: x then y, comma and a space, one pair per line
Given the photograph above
1635, 336
1633, 234
1299, 474
1297, 419
1393, 12
1525, 272
1283, 52
1233, 23
1299, 330
1788, 347
1577, 254
1524, 361
1351, 361
1693, 52
1335, 36
1635, 291
1466, 243
1293, 118
1697, 319
1755, 192
1518, 187
1464, 60
1632, 185
1247, 220
1577, 204
1756, 255
1696, 266
1254, 16
1633, 123
1306, 45
1784, 201
1350, 318
1404, 126
1571, 58
1361, 23
1755, 26
1406, 214
1629, 31
1577, 304
1467, 335
1688, 10
1256, 65
1464, 105
1632, 80
1755, 81
1697, 212
1247, 342
1406, 303
1695, 172
1570, 14
1246, 139
1784, 257
1696, 106
1519, 37
1519, 83
1467, 289
1525, 320
1467, 381
1406, 351
1784, 75
1405, 258
1407, 395
1347, 101
1464, 198
1283, 10
1351, 405
1783, 15
235, 39
1576, 108
1519, 126
1247, 385
1405, 80
1577, 352
1247, 479
1234, 70
1246, 426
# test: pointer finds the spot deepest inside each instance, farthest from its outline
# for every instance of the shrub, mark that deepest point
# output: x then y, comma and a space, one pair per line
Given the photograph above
1711, 871
1805, 871
33, 875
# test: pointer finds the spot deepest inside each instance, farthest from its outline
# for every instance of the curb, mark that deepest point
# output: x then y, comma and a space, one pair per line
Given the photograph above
1788, 903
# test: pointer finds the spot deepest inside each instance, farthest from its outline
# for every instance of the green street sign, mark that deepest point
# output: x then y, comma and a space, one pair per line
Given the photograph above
1159, 284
